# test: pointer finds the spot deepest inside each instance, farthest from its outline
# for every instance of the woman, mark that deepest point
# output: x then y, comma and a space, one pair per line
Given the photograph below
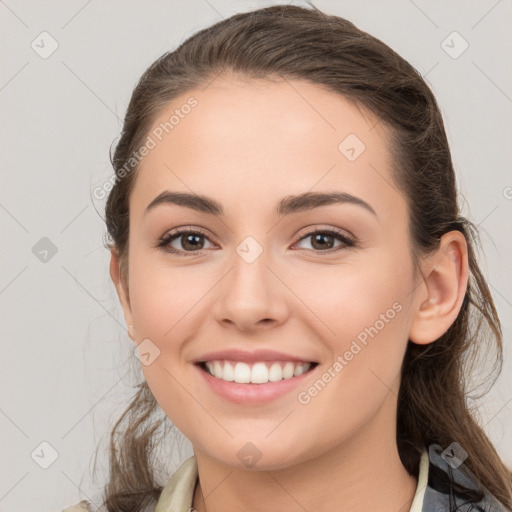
292, 264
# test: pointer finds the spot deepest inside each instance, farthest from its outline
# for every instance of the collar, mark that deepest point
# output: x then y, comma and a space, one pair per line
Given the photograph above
178, 494
444, 484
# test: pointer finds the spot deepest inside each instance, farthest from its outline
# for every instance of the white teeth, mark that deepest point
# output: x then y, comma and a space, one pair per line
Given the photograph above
275, 373
242, 373
228, 372
257, 373
288, 370
299, 370
217, 368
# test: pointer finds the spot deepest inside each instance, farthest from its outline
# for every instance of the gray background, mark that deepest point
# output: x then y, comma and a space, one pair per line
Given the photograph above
66, 361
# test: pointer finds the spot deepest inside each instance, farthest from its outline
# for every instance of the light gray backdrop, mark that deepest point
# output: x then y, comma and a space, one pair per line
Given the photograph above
66, 363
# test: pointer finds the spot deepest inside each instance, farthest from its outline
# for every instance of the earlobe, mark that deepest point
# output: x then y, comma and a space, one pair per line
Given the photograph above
445, 278
122, 291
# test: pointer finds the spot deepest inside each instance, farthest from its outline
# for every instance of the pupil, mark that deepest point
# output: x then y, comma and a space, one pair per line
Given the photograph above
189, 240
320, 237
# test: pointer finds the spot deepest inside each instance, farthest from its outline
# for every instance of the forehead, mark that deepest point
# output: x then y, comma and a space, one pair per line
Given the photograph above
253, 141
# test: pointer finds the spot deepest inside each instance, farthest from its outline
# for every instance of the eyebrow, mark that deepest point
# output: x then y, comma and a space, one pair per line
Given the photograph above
287, 206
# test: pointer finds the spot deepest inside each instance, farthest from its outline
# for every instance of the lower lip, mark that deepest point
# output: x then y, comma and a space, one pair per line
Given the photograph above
252, 393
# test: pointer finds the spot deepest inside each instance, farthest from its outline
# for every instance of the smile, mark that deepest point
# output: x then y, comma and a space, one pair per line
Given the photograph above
260, 372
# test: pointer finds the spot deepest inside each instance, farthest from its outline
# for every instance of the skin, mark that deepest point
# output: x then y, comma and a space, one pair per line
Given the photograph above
248, 144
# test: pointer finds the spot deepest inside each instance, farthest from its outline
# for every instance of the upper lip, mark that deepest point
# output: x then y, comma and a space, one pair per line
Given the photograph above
250, 357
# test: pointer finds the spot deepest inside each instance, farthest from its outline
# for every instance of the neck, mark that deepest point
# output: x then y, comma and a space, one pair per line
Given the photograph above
359, 474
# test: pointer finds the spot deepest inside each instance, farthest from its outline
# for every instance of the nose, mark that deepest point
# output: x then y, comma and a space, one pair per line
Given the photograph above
251, 297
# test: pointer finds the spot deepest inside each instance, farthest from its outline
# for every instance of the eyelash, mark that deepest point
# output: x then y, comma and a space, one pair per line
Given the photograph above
164, 242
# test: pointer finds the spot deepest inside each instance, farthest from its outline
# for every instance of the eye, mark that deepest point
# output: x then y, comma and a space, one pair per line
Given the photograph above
322, 241
191, 241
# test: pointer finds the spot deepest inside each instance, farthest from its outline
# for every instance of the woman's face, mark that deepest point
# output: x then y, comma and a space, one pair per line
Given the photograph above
270, 276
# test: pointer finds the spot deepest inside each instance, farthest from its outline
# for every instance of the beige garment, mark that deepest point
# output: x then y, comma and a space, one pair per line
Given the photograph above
83, 506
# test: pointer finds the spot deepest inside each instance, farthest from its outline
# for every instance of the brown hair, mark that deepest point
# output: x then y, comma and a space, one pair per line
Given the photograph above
301, 43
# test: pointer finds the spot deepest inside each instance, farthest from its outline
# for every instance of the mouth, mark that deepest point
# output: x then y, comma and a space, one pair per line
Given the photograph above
260, 372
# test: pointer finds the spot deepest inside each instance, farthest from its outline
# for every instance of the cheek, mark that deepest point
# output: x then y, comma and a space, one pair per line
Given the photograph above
364, 292
167, 305
365, 316
163, 297
164, 307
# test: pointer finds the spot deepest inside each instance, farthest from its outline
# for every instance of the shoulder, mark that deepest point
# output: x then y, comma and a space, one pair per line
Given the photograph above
178, 493
452, 485
83, 506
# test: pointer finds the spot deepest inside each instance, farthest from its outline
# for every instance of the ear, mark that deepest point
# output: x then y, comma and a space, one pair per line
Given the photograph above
122, 291
445, 278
